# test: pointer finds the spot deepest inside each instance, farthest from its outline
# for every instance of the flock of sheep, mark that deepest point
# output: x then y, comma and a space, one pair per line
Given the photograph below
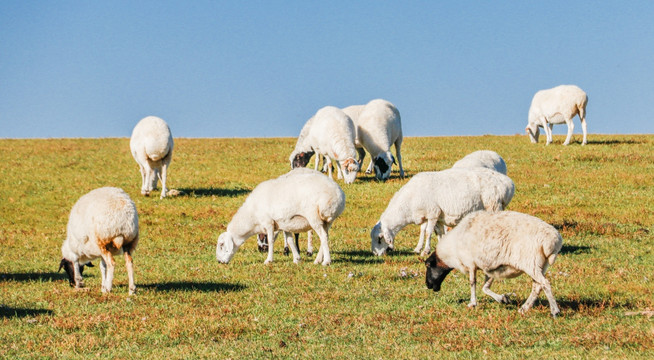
469, 199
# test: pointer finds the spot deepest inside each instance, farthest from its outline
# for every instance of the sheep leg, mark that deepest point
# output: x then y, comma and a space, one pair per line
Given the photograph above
362, 154
129, 264
144, 179
431, 225
398, 145
473, 284
315, 165
582, 117
535, 290
421, 240
571, 127
488, 281
154, 178
548, 133
323, 253
289, 240
108, 278
309, 243
327, 166
544, 284
338, 168
79, 282
271, 241
163, 175
369, 169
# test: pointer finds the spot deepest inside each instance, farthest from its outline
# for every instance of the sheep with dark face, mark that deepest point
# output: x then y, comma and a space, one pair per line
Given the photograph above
503, 245
378, 127
102, 223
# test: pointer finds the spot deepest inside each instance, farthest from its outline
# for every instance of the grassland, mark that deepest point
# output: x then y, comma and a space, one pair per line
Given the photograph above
599, 196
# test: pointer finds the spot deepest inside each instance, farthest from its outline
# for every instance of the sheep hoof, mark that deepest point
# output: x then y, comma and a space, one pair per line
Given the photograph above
416, 250
286, 251
424, 253
132, 292
267, 262
472, 305
523, 310
504, 299
309, 253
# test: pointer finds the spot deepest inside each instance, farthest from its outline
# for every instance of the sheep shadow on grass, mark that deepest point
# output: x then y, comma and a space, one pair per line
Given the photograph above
35, 276
11, 312
365, 256
193, 286
573, 249
208, 192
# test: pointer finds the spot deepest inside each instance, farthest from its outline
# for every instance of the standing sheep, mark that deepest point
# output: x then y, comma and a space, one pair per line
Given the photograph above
152, 148
331, 134
379, 126
503, 245
102, 223
482, 158
438, 199
299, 201
556, 106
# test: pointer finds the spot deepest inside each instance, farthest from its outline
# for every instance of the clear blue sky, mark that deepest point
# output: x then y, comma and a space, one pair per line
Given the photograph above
262, 68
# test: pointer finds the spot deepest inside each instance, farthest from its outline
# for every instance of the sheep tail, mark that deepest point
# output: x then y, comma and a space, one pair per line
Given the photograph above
551, 249
118, 241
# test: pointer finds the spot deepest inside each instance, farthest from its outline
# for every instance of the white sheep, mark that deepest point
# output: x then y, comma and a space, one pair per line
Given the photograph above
503, 245
299, 201
482, 158
438, 199
152, 148
330, 133
378, 127
557, 105
102, 223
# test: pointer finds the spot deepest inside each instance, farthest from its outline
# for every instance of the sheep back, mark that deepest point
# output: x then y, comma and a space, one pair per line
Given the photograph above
301, 192
378, 126
102, 215
482, 158
502, 244
557, 104
152, 136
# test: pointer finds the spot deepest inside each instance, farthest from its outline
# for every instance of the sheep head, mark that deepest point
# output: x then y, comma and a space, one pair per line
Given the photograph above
381, 239
533, 131
437, 270
67, 265
383, 163
349, 167
225, 248
301, 159
262, 242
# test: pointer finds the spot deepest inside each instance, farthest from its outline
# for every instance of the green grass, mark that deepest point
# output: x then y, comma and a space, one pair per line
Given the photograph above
188, 305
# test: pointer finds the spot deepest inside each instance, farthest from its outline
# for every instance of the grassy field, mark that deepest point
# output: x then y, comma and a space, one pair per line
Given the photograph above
600, 197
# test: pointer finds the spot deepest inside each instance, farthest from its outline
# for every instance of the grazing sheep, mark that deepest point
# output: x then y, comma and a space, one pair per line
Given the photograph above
482, 158
299, 201
329, 133
102, 223
438, 199
503, 245
152, 148
557, 106
379, 126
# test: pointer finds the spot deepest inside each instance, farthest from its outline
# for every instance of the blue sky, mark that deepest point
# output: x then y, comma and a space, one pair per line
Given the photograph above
262, 68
